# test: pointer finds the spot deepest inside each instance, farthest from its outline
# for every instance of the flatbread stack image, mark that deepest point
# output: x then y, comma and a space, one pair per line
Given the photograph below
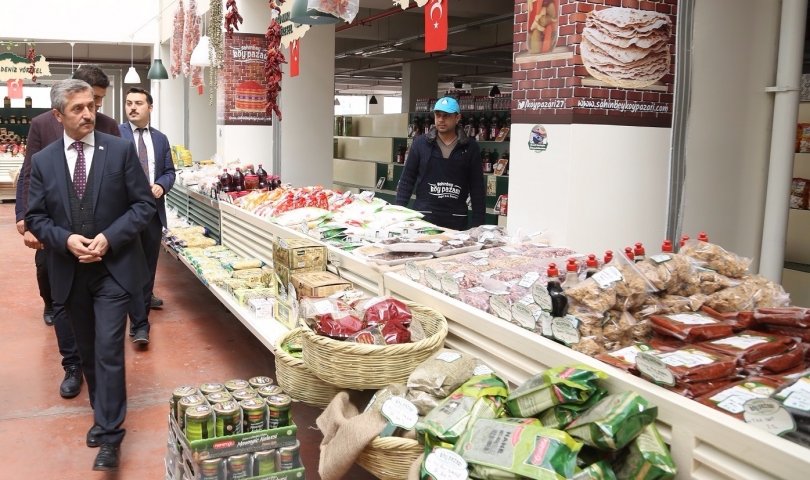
625, 47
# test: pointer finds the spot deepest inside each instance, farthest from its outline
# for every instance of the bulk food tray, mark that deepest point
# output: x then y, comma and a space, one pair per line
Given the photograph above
458, 251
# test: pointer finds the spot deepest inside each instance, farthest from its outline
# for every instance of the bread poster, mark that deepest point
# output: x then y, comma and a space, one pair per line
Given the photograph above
241, 88
612, 61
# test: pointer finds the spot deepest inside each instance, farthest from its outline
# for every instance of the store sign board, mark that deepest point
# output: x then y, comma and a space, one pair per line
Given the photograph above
587, 62
16, 67
289, 31
241, 85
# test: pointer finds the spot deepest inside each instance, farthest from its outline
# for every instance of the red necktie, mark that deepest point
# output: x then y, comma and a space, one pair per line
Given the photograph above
80, 172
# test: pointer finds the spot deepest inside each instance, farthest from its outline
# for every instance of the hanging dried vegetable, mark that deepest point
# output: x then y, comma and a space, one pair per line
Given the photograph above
32, 57
232, 18
272, 64
176, 65
215, 54
191, 35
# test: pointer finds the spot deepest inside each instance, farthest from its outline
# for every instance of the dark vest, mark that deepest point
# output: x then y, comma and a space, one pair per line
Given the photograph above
81, 210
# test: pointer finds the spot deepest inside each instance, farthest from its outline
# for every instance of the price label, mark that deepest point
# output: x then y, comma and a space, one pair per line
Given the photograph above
500, 307
334, 258
482, 370
510, 250
412, 271
655, 368
323, 307
767, 414
443, 464
799, 401
480, 263
448, 357
541, 296
523, 315
661, 258
565, 331
528, 280
480, 255
433, 279
449, 285
545, 322
305, 227
477, 290
486, 236
400, 412
607, 277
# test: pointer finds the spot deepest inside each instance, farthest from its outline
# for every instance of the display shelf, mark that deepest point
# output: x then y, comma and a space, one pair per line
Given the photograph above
705, 444
196, 208
267, 330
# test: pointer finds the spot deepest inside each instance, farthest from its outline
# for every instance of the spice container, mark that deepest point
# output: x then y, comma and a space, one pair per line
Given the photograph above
251, 182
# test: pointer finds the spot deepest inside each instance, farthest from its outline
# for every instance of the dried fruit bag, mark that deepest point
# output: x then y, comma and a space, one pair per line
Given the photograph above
648, 458
614, 422
565, 384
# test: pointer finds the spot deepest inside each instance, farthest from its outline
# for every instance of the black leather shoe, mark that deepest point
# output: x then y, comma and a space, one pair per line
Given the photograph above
155, 302
72, 384
92, 436
108, 458
141, 337
48, 317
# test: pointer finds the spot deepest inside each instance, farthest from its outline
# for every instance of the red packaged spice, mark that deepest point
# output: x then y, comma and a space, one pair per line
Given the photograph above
792, 374
739, 321
730, 399
787, 360
379, 310
690, 327
338, 325
795, 317
625, 358
802, 334
698, 389
395, 333
750, 346
698, 364
666, 344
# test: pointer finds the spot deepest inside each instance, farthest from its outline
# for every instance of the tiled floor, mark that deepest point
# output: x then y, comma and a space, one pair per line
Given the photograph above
194, 339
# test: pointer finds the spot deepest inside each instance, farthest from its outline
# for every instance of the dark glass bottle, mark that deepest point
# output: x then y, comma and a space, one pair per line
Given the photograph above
483, 128
401, 154
559, 302
249, 170
506, 157
262, 174
592, 264
495, 127
238, 181
226, 180
418, 126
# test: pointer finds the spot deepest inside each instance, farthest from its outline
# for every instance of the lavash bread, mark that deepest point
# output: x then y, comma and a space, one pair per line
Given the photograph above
625, 47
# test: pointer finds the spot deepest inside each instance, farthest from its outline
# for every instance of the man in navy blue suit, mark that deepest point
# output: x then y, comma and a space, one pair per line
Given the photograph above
156, 162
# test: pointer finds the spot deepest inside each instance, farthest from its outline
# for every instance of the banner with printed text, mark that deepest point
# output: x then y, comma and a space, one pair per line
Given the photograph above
241, 86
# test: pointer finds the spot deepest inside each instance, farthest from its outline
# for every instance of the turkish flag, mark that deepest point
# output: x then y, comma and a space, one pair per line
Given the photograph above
15, 88
436, 26
295, 61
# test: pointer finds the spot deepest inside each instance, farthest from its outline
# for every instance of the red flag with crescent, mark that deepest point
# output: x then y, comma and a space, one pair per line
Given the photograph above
295, 61
436, 26
15, 88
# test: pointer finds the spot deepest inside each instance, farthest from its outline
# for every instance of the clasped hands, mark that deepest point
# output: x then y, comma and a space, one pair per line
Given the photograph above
88, 250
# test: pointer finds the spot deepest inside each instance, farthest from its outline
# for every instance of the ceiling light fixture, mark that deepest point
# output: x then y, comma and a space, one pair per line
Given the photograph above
373, 100
200, 57
132, 75
495, 91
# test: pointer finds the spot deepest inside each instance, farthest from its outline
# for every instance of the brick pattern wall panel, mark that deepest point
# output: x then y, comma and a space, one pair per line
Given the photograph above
551, 83
241, 84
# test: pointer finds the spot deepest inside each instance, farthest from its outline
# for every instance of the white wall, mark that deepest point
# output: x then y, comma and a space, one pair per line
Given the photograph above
729, 126
596, 187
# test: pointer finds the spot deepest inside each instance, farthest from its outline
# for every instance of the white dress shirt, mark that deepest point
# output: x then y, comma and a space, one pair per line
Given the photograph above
150, 148
72, 154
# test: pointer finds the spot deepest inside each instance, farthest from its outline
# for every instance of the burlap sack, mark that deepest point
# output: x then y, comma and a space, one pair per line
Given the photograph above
346, 433
416, 468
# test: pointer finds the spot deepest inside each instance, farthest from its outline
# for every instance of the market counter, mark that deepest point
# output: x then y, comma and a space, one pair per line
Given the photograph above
705, 443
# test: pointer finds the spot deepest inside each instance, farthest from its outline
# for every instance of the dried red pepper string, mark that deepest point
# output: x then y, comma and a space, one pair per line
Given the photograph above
232, 18
272, 64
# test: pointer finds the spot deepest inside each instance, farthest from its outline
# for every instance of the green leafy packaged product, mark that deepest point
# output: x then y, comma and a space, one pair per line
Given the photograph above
481, 397
572, 384
560, 416
512, 449
647, 458
597, 471
614, 422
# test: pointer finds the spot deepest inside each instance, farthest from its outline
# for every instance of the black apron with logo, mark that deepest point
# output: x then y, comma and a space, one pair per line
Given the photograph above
442, 193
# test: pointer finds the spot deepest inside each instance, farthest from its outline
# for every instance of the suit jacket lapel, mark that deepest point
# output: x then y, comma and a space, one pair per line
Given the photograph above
59, 168
99, 160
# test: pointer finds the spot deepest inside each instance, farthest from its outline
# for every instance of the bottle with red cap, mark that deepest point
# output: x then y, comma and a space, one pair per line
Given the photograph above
666, 247
628, 252
571, 274
684, 239
592, 264
608, 256
559, 302
639, 253
702, 237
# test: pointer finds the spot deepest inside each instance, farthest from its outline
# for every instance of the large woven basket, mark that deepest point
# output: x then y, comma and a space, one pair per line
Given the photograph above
295, 378
360, 366
390, 458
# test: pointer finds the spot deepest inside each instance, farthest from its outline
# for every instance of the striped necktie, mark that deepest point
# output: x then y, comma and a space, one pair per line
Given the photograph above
143, 156
80, 171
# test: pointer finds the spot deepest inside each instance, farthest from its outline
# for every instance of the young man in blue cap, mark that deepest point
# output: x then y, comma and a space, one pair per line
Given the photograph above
445, 166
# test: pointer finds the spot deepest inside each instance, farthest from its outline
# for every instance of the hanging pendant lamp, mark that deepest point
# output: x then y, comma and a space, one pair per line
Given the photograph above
301, 14
132, 75
200, 57
373, 100
158, 71
495, 91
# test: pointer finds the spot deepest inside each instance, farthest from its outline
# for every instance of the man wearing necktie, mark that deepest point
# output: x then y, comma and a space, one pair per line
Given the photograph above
156, 162
87, 203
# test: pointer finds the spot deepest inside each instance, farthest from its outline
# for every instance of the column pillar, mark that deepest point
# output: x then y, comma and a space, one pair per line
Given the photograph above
419, 80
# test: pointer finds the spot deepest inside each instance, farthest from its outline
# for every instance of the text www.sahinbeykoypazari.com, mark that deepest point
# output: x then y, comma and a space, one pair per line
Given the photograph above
622, 106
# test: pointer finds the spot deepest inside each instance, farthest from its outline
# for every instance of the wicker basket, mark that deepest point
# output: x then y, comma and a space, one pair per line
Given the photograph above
296, 380
390, 458
360, 366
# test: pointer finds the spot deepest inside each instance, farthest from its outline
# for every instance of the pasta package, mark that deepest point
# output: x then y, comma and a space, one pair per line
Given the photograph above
647, 458
614, 422
561, 385
518, 448
690, 327
750, 346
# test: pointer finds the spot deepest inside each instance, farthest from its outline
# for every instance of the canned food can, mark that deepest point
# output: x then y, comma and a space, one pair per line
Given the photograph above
278, 410
254, 414
177, 394
244, 394
184, 404
209, 388
259, 382
269, 391
199, 422
239, 467
264, 463
218, 397
212, 469
228, 418
347, 126
232, 385
288, 458
338, 130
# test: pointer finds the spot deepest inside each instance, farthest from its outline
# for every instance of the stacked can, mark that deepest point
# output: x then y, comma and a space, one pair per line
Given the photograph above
244, 394
269, 390
228, 418
178, 394
259, 382
232, 385
254, 414
218, 397
278, 410
199, 422
184, 404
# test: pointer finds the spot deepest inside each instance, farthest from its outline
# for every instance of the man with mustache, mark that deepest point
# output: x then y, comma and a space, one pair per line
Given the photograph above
88, 202
46, 129
156, 161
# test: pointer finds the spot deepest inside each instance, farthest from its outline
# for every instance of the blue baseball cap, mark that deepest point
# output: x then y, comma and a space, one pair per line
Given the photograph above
447, 105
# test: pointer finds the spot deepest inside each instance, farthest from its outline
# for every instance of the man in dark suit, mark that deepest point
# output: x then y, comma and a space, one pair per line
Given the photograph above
156, 162
46, 129
88, 202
